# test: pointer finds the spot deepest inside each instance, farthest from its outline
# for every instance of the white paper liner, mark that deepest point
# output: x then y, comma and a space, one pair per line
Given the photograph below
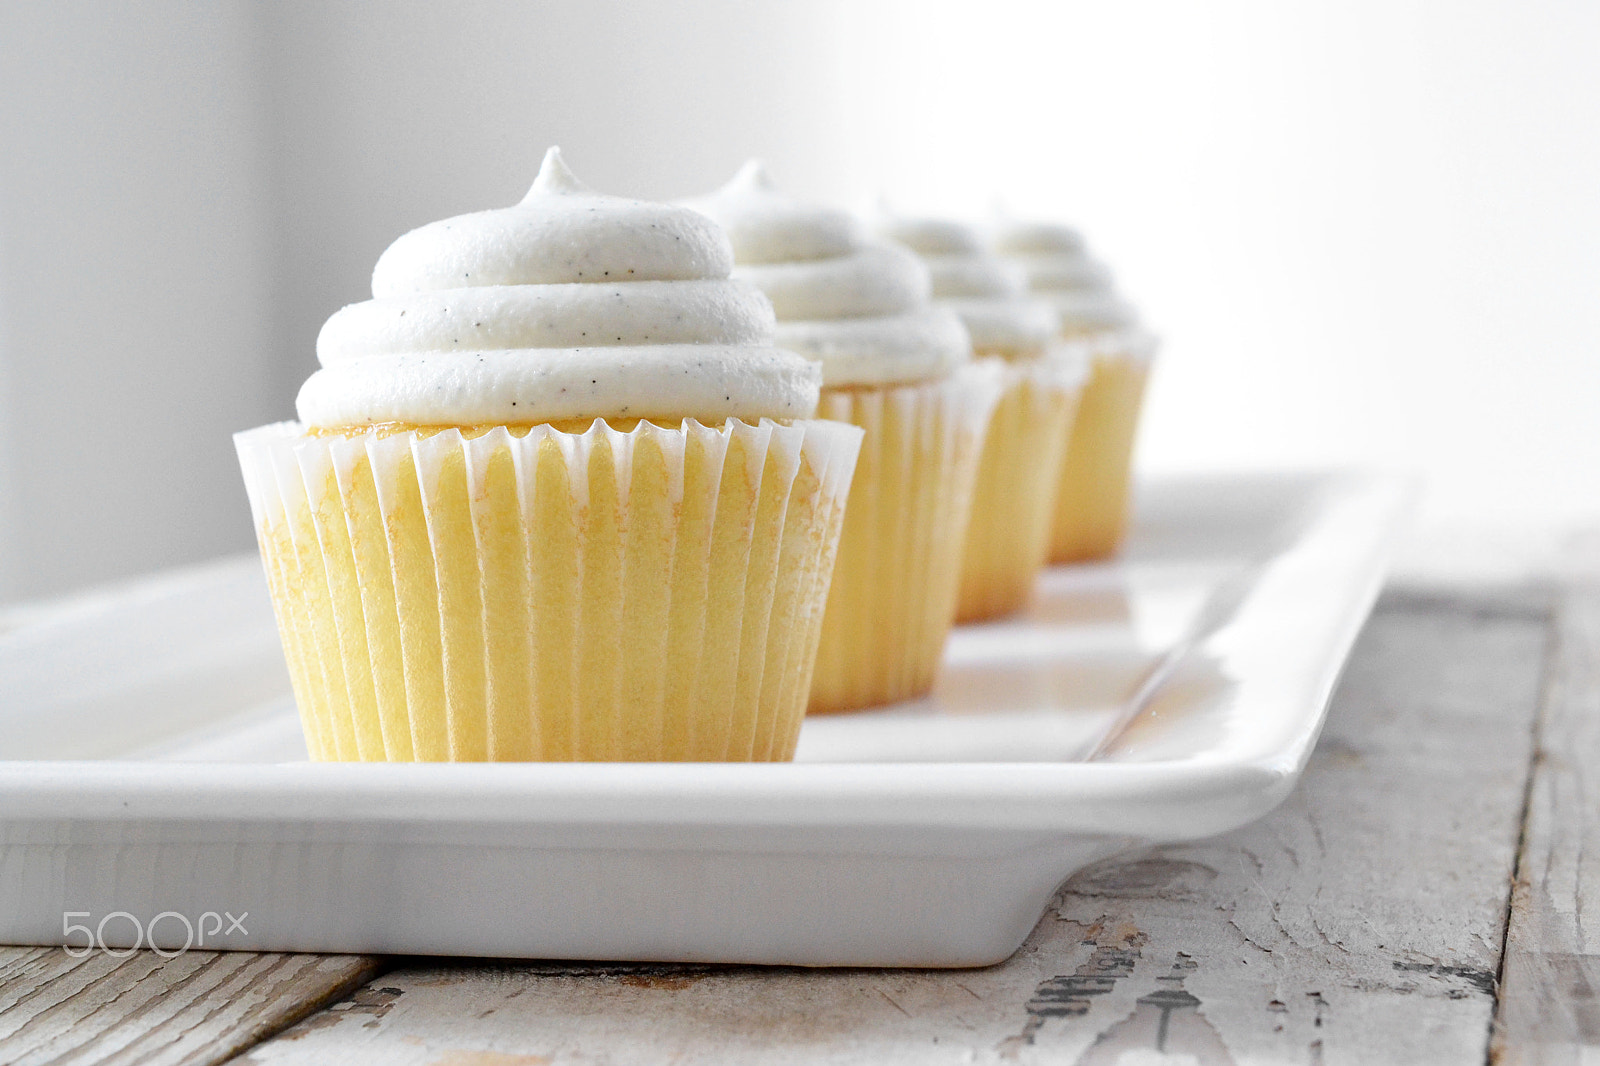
893, 597
1093, 493
1008, 537
420, 578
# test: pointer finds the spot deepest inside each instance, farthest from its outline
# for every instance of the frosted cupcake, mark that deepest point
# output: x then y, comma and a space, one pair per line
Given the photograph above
901, 369
1092, 504
1008, 536
554, 494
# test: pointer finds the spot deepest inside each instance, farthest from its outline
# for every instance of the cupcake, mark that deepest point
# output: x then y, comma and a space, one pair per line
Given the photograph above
1092, 504
902, 370
1008, 537
554, 494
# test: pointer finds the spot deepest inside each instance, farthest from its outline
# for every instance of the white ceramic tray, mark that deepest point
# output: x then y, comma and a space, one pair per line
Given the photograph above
154, 768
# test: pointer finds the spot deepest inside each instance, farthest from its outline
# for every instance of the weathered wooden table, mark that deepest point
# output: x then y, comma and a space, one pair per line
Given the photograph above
1421, 898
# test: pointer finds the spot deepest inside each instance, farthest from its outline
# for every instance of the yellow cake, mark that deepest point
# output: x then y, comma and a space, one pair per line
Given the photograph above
1092, 504
900, 558
899, 368
1014, 498
1008, 541
533, 512
1091, 513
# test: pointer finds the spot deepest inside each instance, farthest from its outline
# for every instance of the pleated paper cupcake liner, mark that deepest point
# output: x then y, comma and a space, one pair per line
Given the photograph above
894, 586
1091, 516
654, 593
1014, 501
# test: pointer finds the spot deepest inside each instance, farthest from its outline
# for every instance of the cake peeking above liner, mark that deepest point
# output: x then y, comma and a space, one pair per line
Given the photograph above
990, 294
859, 306
1058, 268
569, 305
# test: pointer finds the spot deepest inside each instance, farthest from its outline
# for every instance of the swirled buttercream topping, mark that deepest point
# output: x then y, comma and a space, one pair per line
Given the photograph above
858, 306
1058, 268
1088, 311
1037, 238
989, 293
570, 305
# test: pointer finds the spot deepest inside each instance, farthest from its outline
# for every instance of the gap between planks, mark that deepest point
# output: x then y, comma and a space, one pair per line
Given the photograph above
1548, 1009
194, 1009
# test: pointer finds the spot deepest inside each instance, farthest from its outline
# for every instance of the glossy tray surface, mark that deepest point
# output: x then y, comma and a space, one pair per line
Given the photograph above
153, 764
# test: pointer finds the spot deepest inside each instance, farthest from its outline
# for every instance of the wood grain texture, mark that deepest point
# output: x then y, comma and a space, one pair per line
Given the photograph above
1550, 1006
1360, 923
199, 1007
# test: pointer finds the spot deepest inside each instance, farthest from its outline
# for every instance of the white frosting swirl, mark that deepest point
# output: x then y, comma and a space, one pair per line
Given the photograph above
990, 294
858, 306
570, 305
1058, 268
1014, 237
1086, 311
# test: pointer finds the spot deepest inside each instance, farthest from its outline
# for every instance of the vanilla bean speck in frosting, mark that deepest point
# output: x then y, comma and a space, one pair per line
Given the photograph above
990, 294
1059, 269
569, 305
859, 306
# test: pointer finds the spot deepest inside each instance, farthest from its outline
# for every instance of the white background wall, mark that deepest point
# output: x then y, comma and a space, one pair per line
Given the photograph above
135, 281
1368, 231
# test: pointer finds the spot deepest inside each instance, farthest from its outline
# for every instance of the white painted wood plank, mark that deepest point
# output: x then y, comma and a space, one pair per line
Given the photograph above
199, 1007
1361, 923
1550, 1009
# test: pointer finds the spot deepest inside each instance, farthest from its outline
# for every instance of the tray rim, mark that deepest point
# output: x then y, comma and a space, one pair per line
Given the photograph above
1133, 799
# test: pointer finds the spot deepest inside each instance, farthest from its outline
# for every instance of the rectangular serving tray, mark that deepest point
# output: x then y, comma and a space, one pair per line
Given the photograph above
154, 767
